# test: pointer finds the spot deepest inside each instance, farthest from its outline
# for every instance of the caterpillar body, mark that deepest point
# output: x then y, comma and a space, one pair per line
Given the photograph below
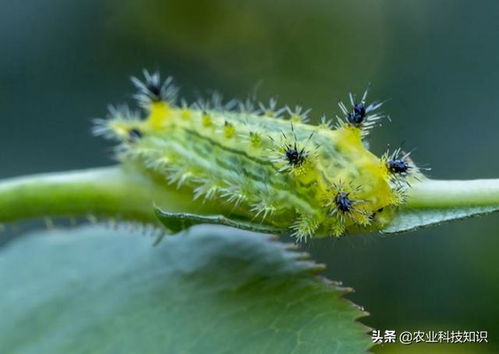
311, 179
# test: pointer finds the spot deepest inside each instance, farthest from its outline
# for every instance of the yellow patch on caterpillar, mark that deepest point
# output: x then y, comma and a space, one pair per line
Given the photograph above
229, 130
185, 114
159, 112
206, 120
349, 137
255, 139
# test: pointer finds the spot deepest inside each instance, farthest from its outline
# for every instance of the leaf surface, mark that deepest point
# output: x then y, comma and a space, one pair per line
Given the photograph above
406, 220
209, 290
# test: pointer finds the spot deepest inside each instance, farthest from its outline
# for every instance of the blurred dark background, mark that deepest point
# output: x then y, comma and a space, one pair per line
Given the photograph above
435, 62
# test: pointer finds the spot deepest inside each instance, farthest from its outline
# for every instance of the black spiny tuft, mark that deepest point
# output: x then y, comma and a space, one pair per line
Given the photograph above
134, 134
295, 156
398, 166
356, 118
152, 89
361, 115
398, 163
343, 202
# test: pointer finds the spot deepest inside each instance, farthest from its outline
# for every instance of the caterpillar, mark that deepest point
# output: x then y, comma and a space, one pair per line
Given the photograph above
269, 164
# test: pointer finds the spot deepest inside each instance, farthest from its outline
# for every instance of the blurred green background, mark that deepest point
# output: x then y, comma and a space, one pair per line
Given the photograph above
435, 62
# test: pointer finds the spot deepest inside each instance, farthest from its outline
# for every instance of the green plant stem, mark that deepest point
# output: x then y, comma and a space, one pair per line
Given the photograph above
453, 194
128, 194
101, 192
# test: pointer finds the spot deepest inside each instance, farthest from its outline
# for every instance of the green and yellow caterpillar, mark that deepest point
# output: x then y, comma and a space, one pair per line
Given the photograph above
314, 180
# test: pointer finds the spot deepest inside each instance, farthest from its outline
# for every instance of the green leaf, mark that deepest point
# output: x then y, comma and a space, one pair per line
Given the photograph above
406, 220
176, 222
432, 202
209, 290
